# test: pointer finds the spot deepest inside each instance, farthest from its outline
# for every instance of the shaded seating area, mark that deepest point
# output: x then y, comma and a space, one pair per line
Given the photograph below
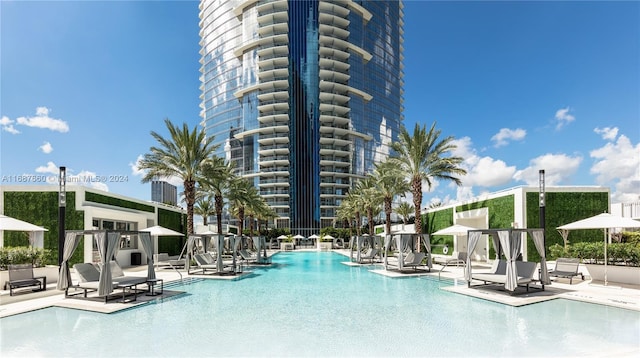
408, 258
509, 272
498, 273
108, 243
566, 268
213, 262
89, 275
365, 247
21, 276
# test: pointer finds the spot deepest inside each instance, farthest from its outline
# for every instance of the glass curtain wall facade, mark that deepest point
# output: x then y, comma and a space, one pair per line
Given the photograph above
304, 96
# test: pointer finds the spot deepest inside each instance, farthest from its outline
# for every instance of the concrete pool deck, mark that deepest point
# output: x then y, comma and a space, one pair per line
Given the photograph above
626, 297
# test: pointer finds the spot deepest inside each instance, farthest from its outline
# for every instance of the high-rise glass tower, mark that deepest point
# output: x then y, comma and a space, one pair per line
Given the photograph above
303, 95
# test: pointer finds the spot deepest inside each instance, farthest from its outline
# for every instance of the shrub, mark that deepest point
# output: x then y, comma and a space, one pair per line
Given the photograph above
617, 253
24, 255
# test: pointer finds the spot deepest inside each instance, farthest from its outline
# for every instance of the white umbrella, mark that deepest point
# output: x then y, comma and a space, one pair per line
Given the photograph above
161, 231
328, 237
314, 236
602, 221
36, 233
454, 230
298, 237
282, 237
10, 224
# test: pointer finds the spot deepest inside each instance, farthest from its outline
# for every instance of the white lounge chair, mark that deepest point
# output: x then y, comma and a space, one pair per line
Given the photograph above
370, 254
413, 260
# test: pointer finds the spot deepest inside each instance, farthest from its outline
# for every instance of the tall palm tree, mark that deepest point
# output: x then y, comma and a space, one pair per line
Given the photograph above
182, 155
216, 178
422, 157
405, 210
241, 195
389, 183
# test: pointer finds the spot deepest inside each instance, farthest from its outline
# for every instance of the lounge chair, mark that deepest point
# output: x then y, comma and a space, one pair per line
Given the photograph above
370, 254
566, 268
206, 262
498, 273
248, 257
457, 258
162, 260
21, 275
89, 275
413, 260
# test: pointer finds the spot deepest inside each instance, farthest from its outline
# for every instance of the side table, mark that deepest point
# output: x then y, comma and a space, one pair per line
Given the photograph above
152, 285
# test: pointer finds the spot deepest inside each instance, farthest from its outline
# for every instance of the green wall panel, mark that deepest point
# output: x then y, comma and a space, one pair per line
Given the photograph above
109, 200
174, 221
41, 208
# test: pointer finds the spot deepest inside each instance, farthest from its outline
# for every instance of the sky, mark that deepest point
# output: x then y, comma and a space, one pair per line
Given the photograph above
520, 86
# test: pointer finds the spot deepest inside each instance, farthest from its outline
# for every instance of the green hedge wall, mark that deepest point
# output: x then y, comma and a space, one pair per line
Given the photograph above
501, 214
41, 208
103, 199
174, 221
435, 221
561, 209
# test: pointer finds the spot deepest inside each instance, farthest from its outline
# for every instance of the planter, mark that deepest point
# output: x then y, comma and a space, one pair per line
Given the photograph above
324, 246
627, 275
51, 272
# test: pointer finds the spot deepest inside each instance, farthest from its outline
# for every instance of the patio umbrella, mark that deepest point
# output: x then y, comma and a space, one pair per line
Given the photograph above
603, 221
161, 231
454, 230
314, 236
36, 233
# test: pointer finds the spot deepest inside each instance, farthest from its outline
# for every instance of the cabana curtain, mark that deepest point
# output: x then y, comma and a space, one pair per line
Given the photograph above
71, 242
147, 245
538, 240
106, 249
473, 237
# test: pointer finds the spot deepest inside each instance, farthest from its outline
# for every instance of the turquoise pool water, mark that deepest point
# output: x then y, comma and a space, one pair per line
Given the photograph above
308, 304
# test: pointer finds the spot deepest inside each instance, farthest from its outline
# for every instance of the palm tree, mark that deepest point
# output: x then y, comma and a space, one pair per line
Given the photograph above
369, 198
422, 158
389, 183
242, 194
216, 178
204, 207
405, 210
182, 155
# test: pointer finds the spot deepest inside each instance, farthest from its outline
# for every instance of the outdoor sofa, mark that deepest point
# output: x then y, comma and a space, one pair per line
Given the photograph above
498, 273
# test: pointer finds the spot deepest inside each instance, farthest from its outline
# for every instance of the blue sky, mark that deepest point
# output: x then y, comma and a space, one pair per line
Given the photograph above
522, 86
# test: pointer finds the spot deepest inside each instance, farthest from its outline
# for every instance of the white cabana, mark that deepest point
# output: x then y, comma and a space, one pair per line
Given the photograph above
404, 244
606, 222
218, 242
107, 244
36, 233
509, 242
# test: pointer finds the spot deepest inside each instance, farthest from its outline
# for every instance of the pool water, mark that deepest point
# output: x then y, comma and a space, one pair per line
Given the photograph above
309, 304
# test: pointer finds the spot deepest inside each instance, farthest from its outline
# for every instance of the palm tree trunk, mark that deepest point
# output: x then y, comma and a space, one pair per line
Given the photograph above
190, 198
387, 212
370, 218
218, 203
416, 187
358, 222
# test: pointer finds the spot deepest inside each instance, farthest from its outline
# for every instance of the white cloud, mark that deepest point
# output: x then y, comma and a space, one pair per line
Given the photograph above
42, 120
46, 148
135, 168
618, 162
90, 179
7, 125
481, 171
49, 168
563, 117
558, 168
503, 137
607, 133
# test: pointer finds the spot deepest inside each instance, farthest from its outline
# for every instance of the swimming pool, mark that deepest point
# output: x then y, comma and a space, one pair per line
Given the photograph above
308, 304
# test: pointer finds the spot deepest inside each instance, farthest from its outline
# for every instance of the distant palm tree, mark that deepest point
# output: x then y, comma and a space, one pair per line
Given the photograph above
389, 182
242, 195
421, 156
182, 155
405, 210
369, 198
216, 178
352, 204
204, 207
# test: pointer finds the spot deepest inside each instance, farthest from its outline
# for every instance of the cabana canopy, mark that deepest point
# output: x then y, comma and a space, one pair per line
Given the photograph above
108, 246
509, 241
403, 242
